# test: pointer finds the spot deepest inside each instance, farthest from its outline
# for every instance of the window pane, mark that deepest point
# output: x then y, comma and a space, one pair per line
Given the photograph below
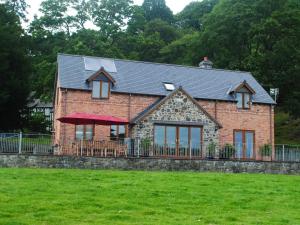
195, 141
113, 132
246, 100
79, 132
239, 98
121, 132
89, 132
96, 89
159, 140
183, 141
104, 90
238, 140
171, 140
249, 144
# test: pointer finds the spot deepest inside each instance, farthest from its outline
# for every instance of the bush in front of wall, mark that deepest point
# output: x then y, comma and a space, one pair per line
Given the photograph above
211, 150
265, 150
227, 152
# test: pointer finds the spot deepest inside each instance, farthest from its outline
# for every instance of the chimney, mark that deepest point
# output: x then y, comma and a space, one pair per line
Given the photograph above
206, 63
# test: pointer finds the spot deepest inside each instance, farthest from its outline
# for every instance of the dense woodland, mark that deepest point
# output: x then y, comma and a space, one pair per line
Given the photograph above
261, 36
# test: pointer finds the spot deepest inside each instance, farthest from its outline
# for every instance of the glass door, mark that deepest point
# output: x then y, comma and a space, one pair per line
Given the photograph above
159, 140
196, 141
238, 142
171, 141
244, 144
249, 144
183, 141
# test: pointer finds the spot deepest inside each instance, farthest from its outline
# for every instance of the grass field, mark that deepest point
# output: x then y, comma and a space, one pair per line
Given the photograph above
50, 196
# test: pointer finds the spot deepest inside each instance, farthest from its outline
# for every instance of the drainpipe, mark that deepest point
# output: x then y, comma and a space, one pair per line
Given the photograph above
271, 131
216, 116
64, 92
129, 113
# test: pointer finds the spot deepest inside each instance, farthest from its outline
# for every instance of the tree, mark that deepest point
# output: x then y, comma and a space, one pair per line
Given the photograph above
82, 9
14, 71
110, 15
157, 9
182, 51
56, 16
275, 59
192, 15
137, 21
166, 32
17, 6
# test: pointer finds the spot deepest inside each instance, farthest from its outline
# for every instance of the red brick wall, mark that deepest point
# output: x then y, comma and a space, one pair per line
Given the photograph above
119, 105
260, 118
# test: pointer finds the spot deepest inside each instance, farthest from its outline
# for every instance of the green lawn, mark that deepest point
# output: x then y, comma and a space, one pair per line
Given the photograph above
51, 196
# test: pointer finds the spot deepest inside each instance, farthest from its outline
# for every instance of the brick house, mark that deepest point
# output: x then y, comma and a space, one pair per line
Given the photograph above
174, 108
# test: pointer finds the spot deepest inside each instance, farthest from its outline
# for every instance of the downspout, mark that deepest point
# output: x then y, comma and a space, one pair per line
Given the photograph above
129, 114
64, 92
216, 116
271, 130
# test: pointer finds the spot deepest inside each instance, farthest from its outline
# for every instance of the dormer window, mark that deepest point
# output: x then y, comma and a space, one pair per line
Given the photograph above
243, 95
100, 89
169, 86
100, 83
243, 100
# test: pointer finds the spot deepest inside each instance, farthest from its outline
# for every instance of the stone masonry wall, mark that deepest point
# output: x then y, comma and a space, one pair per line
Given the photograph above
31, 161
178, 108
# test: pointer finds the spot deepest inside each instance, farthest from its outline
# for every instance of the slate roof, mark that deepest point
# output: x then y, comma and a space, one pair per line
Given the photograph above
138, 77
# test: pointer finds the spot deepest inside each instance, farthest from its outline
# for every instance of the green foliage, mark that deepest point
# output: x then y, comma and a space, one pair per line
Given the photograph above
110, 15
212, 146
15, 69
166, 32
55, 15
145, 143
287, 129
192, 15
227, 151
17, 7
67, 196
157, 9
37, 123
265, 150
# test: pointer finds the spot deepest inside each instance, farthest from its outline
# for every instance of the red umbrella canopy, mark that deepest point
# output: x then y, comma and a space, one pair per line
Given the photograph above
85, 118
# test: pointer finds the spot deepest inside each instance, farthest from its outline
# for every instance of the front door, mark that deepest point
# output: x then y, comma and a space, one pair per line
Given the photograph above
244, 144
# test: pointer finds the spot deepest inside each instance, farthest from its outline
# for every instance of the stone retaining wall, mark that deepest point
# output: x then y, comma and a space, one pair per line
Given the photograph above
147, 164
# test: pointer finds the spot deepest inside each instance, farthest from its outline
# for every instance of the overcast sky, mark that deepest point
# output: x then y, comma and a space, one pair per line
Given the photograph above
175, 5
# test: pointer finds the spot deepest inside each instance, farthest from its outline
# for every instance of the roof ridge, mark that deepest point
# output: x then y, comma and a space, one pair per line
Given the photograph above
156, 63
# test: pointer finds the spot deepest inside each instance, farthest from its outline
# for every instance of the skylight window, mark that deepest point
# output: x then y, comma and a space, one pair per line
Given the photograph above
169, 86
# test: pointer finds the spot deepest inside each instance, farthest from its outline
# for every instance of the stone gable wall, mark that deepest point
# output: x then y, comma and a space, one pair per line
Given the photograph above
177, 108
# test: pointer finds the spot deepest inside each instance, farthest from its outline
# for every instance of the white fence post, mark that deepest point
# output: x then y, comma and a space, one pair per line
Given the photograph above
20, 142
282, 152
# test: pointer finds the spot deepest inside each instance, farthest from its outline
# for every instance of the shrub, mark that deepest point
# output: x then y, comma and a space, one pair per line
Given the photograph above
265, 150
211, 149
228, 151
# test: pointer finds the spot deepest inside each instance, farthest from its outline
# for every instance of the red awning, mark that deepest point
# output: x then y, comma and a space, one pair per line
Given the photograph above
85, 119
